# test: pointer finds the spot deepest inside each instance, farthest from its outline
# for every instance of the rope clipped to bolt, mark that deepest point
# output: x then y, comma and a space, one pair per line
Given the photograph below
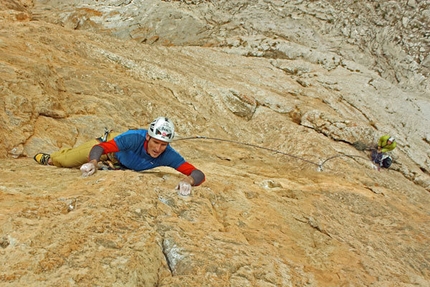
318, 165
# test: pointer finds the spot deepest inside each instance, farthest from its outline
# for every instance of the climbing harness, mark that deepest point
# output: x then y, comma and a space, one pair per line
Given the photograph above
319, 165
108, 161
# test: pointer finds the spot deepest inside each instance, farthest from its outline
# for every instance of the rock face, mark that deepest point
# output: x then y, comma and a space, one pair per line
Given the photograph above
282, 94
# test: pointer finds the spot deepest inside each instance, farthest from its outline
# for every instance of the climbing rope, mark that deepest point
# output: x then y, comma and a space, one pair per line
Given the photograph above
319, 165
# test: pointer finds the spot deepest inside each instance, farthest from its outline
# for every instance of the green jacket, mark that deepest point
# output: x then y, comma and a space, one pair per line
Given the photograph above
383, 144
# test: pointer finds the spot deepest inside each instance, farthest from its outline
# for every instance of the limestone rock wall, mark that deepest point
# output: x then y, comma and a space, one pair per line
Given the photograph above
286, 89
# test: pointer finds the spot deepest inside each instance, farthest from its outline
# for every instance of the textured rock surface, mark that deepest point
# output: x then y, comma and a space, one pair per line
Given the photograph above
309, 79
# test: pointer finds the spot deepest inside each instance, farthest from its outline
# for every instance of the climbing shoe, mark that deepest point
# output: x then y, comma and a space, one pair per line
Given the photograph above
42, 158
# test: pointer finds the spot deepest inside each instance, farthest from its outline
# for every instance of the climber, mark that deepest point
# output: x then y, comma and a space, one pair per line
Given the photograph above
380, 155
135, 149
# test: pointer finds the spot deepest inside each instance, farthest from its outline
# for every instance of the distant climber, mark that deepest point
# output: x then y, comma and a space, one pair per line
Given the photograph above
380, 155
135, 149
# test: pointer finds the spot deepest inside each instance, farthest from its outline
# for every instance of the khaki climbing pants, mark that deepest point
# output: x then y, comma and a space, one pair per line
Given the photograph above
76, 156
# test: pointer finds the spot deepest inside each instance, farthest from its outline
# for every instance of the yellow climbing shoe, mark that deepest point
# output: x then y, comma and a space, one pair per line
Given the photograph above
42, 158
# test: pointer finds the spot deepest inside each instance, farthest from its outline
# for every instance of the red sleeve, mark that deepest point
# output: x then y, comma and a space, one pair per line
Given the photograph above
109, 146
186, 168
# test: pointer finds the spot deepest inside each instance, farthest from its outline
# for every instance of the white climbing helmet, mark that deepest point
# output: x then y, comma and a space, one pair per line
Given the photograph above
162, 129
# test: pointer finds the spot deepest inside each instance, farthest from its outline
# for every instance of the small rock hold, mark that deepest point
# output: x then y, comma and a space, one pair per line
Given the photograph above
4, 242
